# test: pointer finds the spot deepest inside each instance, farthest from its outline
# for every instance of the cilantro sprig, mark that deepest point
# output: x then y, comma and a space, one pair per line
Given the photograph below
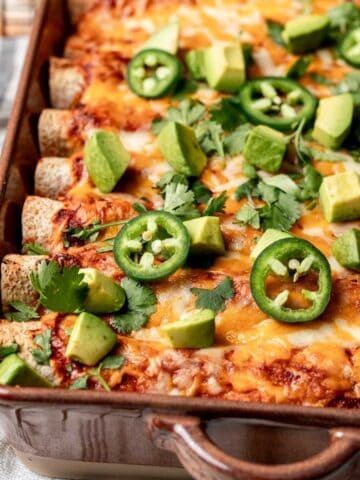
7, 350
215, 298
281, 209
35, 249
274, 31
22, 313
140, 305
61, 289
89, 233
43, 354
112, 362
181, 197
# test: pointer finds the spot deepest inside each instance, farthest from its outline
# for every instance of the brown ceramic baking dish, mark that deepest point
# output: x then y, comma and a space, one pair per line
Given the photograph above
77, 434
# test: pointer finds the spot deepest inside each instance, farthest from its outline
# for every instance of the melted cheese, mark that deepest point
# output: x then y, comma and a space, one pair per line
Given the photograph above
254, 357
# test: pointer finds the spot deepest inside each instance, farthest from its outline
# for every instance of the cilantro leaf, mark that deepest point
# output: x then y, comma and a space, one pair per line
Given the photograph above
215, 205
280, 212
310, 184
43, 354
201, 192
141, 303
214, 299
87, 234
112, 362
342, 19
248, 215
316, 77
139, 207
349, 84
171, 177
299, 68
35, 249
188, 112
210, 137
185, 87
274, 31
227, 113
23, 312
235, 142
80, 384
8, 350
247, 189
180, 201
61, 289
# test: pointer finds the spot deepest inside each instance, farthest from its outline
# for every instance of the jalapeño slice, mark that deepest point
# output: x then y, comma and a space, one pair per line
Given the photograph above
152, 246
153, 73
290, 259
350, 48
277, 102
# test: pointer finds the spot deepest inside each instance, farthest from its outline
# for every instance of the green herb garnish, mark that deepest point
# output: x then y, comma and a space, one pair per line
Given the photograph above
23, 312
141, 303
61, 289
43, 354
35, 249
214, 299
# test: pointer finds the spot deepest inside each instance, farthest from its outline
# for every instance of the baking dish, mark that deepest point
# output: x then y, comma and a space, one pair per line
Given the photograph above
72, 434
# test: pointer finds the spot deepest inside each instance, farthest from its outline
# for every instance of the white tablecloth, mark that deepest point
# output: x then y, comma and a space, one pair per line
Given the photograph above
12, 52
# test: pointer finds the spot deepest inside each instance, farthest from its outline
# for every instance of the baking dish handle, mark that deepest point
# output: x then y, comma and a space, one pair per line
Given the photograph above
205, 461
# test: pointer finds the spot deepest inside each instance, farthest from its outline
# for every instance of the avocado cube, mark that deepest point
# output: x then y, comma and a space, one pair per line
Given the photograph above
265, 148
105, 159
305, 33
14, 371
346, 249
178, 144
195, 61
167, 38
206, 236
225, 67
340, 197
333, 120
104, 295
91, 340
195, 331
270, 236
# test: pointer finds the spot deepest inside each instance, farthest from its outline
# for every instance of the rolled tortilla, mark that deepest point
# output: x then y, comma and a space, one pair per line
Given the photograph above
54, 176
77, 8
38, 221
15, 279
23, 333
67, 82
54, 133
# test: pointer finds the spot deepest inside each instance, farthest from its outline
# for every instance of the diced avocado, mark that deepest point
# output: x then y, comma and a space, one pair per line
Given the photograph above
305, 33
167, 38
333, 120
346, 249
106, 159
270, 236
91, 340
225, 68
195, 331
104, 295
340, 197
195, 62
14, 371
265, 148
178, 144
206, 236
